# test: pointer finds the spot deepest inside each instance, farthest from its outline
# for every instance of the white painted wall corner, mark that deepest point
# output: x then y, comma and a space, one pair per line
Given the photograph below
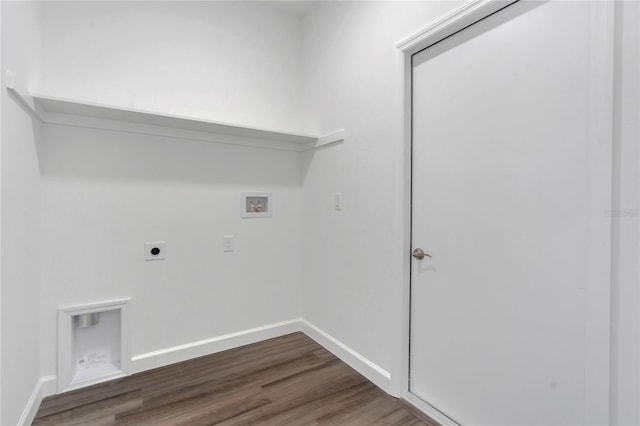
46, 386
357, 361
213, 345
379, 376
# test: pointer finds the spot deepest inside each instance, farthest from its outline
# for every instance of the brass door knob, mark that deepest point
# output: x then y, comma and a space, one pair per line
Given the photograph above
419, 254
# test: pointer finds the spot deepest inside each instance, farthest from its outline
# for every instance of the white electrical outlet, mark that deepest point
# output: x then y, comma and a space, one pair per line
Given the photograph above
337, 201
155, 250
228, 243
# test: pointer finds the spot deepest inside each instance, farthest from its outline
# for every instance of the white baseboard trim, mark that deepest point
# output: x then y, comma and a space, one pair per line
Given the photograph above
429, 410
364, 366
46, 386
162, 357
379, 376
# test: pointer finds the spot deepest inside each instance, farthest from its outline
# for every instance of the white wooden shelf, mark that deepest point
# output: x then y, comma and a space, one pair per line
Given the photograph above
54, 110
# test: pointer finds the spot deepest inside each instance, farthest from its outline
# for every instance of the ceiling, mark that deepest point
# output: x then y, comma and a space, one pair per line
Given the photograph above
295, 7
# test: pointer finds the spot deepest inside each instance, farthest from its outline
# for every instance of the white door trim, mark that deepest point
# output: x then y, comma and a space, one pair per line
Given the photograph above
459, 19
638, 236
598, 285
598, 251
429, 410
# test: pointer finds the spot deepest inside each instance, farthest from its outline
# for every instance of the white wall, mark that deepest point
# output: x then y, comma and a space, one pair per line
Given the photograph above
245, 63
353, 259
225, 60
625, 353
20, 218
105, 193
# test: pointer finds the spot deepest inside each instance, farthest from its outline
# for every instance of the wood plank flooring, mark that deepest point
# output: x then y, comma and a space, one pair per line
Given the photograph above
289, 380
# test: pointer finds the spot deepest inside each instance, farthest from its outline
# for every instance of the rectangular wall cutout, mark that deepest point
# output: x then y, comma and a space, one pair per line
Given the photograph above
256, 204
92, 344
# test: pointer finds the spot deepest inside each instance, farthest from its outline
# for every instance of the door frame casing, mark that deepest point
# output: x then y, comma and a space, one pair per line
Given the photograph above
600, 167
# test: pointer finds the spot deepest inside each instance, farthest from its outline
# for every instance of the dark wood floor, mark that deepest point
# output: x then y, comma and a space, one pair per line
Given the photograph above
289, 380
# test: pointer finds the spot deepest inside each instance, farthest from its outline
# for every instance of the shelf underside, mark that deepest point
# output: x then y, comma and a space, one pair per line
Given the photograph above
54, 110
54, 107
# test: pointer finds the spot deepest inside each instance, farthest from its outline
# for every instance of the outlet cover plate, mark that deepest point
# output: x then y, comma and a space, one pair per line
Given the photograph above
160, 245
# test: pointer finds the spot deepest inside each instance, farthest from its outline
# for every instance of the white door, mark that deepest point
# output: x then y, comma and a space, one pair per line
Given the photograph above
510, 203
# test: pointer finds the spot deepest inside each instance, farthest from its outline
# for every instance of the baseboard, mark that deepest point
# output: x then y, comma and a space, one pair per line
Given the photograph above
180, 353
46, 386
379, 376
432, 412
160, 358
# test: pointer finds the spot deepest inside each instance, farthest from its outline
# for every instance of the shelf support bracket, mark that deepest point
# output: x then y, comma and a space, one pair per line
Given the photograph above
333, 138
25, 102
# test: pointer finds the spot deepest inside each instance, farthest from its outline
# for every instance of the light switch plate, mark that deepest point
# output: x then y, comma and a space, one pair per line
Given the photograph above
158, 247
228, 244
